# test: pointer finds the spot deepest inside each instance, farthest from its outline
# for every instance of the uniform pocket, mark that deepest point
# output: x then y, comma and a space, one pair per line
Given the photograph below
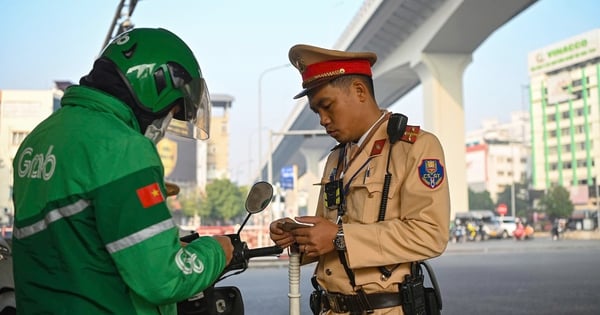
364, 199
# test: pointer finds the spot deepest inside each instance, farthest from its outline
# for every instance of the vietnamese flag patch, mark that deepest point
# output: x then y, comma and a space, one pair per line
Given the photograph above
150, 195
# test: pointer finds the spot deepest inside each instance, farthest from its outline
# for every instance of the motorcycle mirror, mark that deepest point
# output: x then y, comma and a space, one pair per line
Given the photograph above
259, 197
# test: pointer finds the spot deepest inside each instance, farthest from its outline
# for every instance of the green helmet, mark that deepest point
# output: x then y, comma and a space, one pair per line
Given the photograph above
161, 72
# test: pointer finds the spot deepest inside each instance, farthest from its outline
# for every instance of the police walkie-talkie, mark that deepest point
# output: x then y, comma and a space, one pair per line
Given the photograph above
413, 292
396, 127
395, 130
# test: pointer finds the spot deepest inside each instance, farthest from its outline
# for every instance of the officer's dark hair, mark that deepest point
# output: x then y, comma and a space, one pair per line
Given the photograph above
345, 81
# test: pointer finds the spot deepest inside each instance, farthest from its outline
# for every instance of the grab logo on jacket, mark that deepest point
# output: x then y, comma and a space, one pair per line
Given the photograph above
36, 165
188, 262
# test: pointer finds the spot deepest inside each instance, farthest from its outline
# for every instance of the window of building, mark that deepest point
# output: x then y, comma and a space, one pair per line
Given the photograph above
579, 82
18, 137
224, 128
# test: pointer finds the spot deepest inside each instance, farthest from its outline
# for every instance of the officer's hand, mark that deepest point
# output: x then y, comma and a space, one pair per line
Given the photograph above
282, 238
318, 239
227, 247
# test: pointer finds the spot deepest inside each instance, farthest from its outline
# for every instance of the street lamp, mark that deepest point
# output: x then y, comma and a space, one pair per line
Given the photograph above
260, 113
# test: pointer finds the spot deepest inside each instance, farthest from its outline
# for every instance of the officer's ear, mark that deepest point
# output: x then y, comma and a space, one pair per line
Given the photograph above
360, 89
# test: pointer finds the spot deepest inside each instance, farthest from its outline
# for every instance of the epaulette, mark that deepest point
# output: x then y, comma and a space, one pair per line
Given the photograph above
410, 134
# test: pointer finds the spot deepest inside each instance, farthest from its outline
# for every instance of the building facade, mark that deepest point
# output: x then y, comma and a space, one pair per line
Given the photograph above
218, 144
565, 116
498, 154
187, 162
20, 112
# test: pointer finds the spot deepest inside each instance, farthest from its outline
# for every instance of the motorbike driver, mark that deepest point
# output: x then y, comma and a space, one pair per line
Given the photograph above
93, 234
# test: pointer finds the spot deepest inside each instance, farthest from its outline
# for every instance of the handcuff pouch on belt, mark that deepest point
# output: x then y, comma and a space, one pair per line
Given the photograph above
316, 296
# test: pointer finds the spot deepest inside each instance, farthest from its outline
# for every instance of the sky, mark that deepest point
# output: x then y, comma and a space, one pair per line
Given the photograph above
242, 46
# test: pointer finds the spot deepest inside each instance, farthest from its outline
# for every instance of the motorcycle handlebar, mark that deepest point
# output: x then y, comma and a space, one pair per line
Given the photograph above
263, 251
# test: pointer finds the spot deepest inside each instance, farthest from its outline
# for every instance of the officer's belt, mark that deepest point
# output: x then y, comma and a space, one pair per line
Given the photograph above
341, 303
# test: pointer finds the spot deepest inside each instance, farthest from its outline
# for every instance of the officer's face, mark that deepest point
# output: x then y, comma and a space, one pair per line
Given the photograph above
340, 110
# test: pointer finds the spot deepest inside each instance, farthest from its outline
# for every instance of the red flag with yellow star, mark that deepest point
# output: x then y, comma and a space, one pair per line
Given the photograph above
150, 195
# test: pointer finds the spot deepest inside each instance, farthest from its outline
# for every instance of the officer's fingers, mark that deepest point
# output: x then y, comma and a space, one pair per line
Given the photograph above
282, 237
285, 242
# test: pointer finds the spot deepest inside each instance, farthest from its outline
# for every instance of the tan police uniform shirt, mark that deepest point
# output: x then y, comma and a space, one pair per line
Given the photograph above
417, 217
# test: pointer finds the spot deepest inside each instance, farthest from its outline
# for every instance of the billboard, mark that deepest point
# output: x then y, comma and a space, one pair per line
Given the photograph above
564, 53
179, 157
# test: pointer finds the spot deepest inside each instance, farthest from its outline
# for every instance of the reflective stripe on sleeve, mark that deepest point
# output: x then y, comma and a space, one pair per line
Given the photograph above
52, 216
140, 236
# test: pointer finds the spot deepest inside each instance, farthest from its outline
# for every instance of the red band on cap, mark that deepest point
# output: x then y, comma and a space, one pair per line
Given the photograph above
335, 68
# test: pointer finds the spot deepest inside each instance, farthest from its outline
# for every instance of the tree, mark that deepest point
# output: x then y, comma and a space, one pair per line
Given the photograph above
480, 200
224, 201
191, 202
557, 203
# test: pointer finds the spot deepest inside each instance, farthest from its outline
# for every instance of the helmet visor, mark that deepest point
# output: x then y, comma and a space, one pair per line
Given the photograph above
194, 121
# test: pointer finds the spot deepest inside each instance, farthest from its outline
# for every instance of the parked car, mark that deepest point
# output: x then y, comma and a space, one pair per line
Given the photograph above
492, 228
583, 220
507, 226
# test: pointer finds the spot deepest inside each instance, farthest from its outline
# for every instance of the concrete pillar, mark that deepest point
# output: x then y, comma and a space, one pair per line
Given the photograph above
312, 176
441, 79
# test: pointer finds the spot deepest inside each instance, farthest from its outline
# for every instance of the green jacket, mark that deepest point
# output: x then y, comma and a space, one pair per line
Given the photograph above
93, 234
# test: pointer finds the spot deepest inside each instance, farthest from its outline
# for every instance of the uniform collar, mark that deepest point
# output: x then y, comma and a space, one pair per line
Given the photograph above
96, 100
364, 136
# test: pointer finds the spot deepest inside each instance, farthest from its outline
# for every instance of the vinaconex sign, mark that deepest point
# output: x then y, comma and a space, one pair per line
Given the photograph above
565, 53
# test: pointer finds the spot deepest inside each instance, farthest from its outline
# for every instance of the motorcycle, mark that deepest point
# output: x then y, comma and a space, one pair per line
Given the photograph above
7, 284
227, 300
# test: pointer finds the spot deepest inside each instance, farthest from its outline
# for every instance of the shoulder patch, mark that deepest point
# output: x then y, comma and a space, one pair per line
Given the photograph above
431, 172
410, 134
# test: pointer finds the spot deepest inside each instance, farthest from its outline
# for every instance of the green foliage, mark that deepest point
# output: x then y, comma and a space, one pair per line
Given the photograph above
191, 202
480, 200
224, 201
557, 203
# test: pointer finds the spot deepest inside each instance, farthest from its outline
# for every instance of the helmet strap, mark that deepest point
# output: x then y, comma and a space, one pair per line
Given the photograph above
156, 130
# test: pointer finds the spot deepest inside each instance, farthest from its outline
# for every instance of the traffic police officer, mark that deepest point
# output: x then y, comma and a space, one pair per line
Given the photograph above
384, 199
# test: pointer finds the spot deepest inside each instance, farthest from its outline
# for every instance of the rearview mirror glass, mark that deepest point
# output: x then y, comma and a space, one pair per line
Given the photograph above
259, 197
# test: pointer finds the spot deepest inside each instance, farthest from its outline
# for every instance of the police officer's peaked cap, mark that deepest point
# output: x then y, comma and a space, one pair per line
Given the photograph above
319, 65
